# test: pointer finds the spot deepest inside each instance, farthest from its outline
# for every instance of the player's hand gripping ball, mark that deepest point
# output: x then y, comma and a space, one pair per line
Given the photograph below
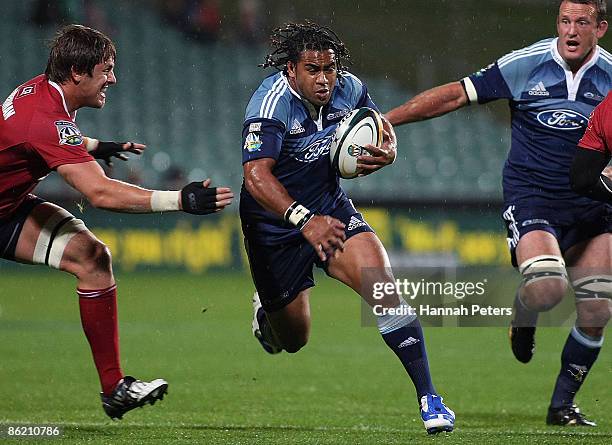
360, 127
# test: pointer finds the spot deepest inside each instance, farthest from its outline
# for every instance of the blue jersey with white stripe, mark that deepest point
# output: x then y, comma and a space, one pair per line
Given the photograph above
279, 124
549, 107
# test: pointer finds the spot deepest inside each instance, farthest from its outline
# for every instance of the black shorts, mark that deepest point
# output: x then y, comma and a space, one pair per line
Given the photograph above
281, 271
10, 228
570, 223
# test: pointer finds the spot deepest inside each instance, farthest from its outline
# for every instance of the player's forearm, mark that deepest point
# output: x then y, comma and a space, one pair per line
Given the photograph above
120, 196
599, 190
429, 104
268, 191
586, 178
111, 194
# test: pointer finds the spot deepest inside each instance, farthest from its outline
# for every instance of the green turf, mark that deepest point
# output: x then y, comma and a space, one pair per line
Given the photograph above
345, 387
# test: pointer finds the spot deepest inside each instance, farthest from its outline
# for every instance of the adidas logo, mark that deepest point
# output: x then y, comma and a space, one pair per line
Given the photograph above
579, 368
539, 90
354, 223
581, 372
296, 127
408, 342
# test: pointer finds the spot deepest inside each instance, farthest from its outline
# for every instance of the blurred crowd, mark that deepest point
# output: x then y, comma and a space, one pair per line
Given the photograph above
60, 12
198, 20
204, 20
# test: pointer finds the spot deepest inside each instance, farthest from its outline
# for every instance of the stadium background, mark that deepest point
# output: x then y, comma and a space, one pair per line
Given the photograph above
184, 93
183, 82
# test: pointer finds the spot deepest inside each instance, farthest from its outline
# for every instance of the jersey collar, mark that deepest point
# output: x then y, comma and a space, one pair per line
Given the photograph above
316, 116
295, 93
563, 63
61, 93
573, 81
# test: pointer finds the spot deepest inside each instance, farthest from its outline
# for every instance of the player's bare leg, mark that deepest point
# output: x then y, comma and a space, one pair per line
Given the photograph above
402, 333
544, 286
591, 274
89, 260
290, 325
543, 294
592, 257
52, 236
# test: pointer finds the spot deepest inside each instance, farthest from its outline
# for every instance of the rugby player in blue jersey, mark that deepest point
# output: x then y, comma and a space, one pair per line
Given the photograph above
295, 214
552, 86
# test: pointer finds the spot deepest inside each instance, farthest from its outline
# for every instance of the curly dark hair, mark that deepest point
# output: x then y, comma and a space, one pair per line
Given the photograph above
292, 39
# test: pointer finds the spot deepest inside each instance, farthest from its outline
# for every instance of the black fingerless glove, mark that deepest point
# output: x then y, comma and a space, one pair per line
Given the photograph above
106, 150
198, 200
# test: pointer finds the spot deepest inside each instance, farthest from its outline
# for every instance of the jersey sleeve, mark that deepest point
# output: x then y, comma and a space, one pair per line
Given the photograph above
261, 138
266, 121
508, 76
358, 92
365, 100
487, 85
598, 132
58, 142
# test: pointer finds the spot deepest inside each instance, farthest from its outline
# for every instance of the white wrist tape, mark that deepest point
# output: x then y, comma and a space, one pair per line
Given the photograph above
298, 215
91, 143
470, 90
165, 201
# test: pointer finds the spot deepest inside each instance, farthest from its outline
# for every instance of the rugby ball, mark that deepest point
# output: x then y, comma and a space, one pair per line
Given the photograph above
358, 128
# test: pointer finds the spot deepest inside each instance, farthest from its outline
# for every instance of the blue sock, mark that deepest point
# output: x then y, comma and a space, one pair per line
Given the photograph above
577, 358
408, 344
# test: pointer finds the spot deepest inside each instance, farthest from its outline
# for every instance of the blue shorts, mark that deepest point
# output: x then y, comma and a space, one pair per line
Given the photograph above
568, 221
281, 271
10, 228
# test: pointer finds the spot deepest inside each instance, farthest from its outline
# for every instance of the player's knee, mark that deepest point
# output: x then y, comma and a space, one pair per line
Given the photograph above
94, 257
101, 256
295, 343
545, 282
593, 300
594, 313
544, 295
292, 347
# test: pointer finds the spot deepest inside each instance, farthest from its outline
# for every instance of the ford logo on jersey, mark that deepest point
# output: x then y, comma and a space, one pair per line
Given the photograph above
563, 119
314, 151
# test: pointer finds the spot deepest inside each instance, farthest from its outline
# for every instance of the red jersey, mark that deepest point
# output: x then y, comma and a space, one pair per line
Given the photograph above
37, 134
598, 135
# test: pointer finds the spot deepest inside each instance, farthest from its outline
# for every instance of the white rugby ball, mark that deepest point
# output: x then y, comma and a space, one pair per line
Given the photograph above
358, 128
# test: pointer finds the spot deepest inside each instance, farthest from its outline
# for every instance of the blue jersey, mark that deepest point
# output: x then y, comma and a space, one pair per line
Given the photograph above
279, 124
550, 108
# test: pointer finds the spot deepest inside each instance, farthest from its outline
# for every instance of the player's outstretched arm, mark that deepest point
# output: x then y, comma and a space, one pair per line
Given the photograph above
324, 233
110, 194
586, 177
378, 157
107, 150
429, 104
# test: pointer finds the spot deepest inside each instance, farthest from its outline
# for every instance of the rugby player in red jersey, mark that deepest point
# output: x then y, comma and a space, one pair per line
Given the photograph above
590, 176
38, 135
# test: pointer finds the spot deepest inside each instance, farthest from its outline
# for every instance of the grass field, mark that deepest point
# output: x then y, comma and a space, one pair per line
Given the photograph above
345, 387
